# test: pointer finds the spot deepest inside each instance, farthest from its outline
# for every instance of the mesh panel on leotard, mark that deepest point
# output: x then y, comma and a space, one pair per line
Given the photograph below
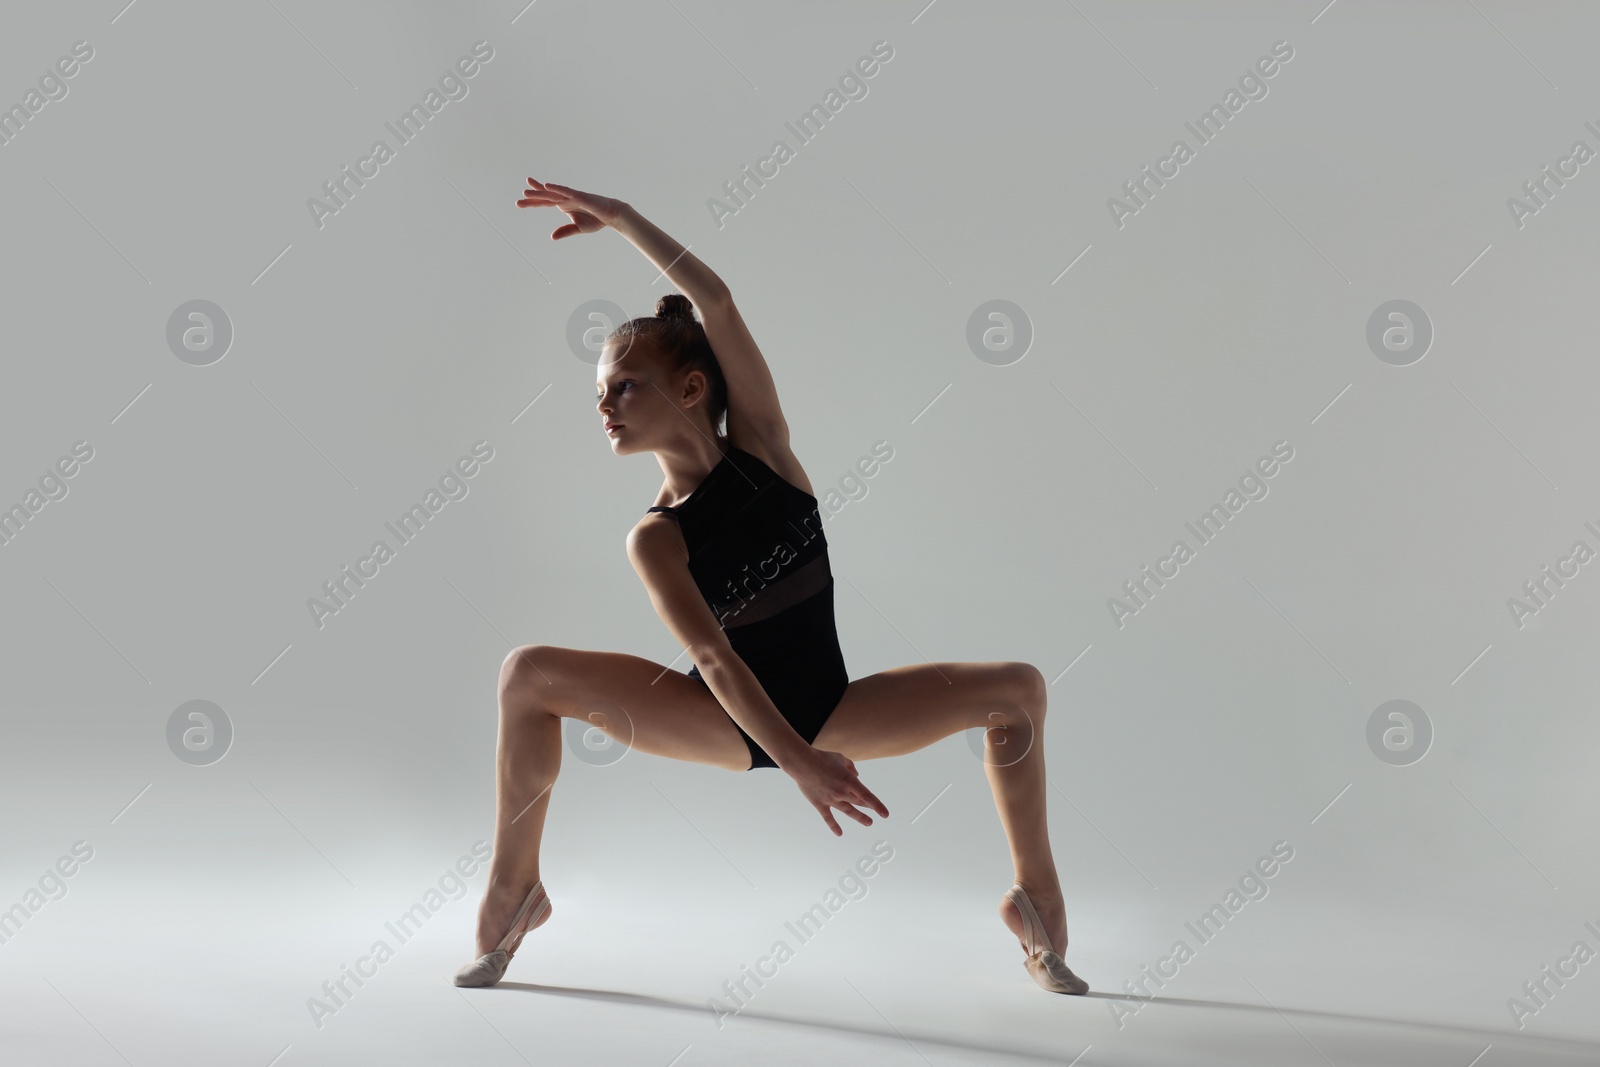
756, 546
760, 561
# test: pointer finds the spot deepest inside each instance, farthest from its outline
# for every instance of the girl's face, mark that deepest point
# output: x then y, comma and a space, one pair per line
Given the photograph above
631, 394
643, 403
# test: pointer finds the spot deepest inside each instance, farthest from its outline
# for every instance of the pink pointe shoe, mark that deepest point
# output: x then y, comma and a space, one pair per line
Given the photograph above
490, 967
1043, 962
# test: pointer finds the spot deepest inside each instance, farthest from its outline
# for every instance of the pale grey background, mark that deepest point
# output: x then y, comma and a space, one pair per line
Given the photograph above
1227, 315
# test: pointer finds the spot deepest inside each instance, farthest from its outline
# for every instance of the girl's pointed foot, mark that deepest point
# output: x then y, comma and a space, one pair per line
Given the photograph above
1046, 966
490, 967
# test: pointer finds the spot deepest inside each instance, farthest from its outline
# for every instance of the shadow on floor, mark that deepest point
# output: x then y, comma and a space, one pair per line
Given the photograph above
1418, 1030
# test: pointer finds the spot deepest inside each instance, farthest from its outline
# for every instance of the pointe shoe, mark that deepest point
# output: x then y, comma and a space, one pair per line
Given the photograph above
1043, 962
490, 967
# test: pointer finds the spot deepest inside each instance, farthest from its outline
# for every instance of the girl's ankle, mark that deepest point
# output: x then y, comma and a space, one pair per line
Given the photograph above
518, 884
1040, 887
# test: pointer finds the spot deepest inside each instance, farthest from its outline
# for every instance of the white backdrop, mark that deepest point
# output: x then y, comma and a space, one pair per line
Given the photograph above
1154, 344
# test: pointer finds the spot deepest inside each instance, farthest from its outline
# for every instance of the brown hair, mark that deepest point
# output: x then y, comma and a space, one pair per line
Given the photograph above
679, 335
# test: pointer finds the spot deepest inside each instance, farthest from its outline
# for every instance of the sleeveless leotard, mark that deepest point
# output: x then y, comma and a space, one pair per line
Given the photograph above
760, 561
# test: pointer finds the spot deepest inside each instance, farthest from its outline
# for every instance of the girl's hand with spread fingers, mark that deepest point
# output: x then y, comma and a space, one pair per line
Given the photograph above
588, 211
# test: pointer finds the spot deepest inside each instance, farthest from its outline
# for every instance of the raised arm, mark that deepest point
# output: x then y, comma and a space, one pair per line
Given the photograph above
752, 394
753, 409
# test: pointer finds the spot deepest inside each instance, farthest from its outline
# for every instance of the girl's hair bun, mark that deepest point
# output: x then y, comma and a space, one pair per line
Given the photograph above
674, 306
681, 342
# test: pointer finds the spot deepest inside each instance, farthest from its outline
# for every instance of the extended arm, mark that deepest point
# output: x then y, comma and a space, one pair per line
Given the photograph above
753, 409
752, 394
683, 268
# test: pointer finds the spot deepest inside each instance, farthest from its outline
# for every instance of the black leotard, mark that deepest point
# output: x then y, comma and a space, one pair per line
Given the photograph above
760, 560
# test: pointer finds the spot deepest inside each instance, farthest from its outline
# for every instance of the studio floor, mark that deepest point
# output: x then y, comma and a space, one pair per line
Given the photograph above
628, 977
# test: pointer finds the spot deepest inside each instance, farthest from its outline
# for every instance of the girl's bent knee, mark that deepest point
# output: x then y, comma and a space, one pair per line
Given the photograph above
1029, 686
525, 664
